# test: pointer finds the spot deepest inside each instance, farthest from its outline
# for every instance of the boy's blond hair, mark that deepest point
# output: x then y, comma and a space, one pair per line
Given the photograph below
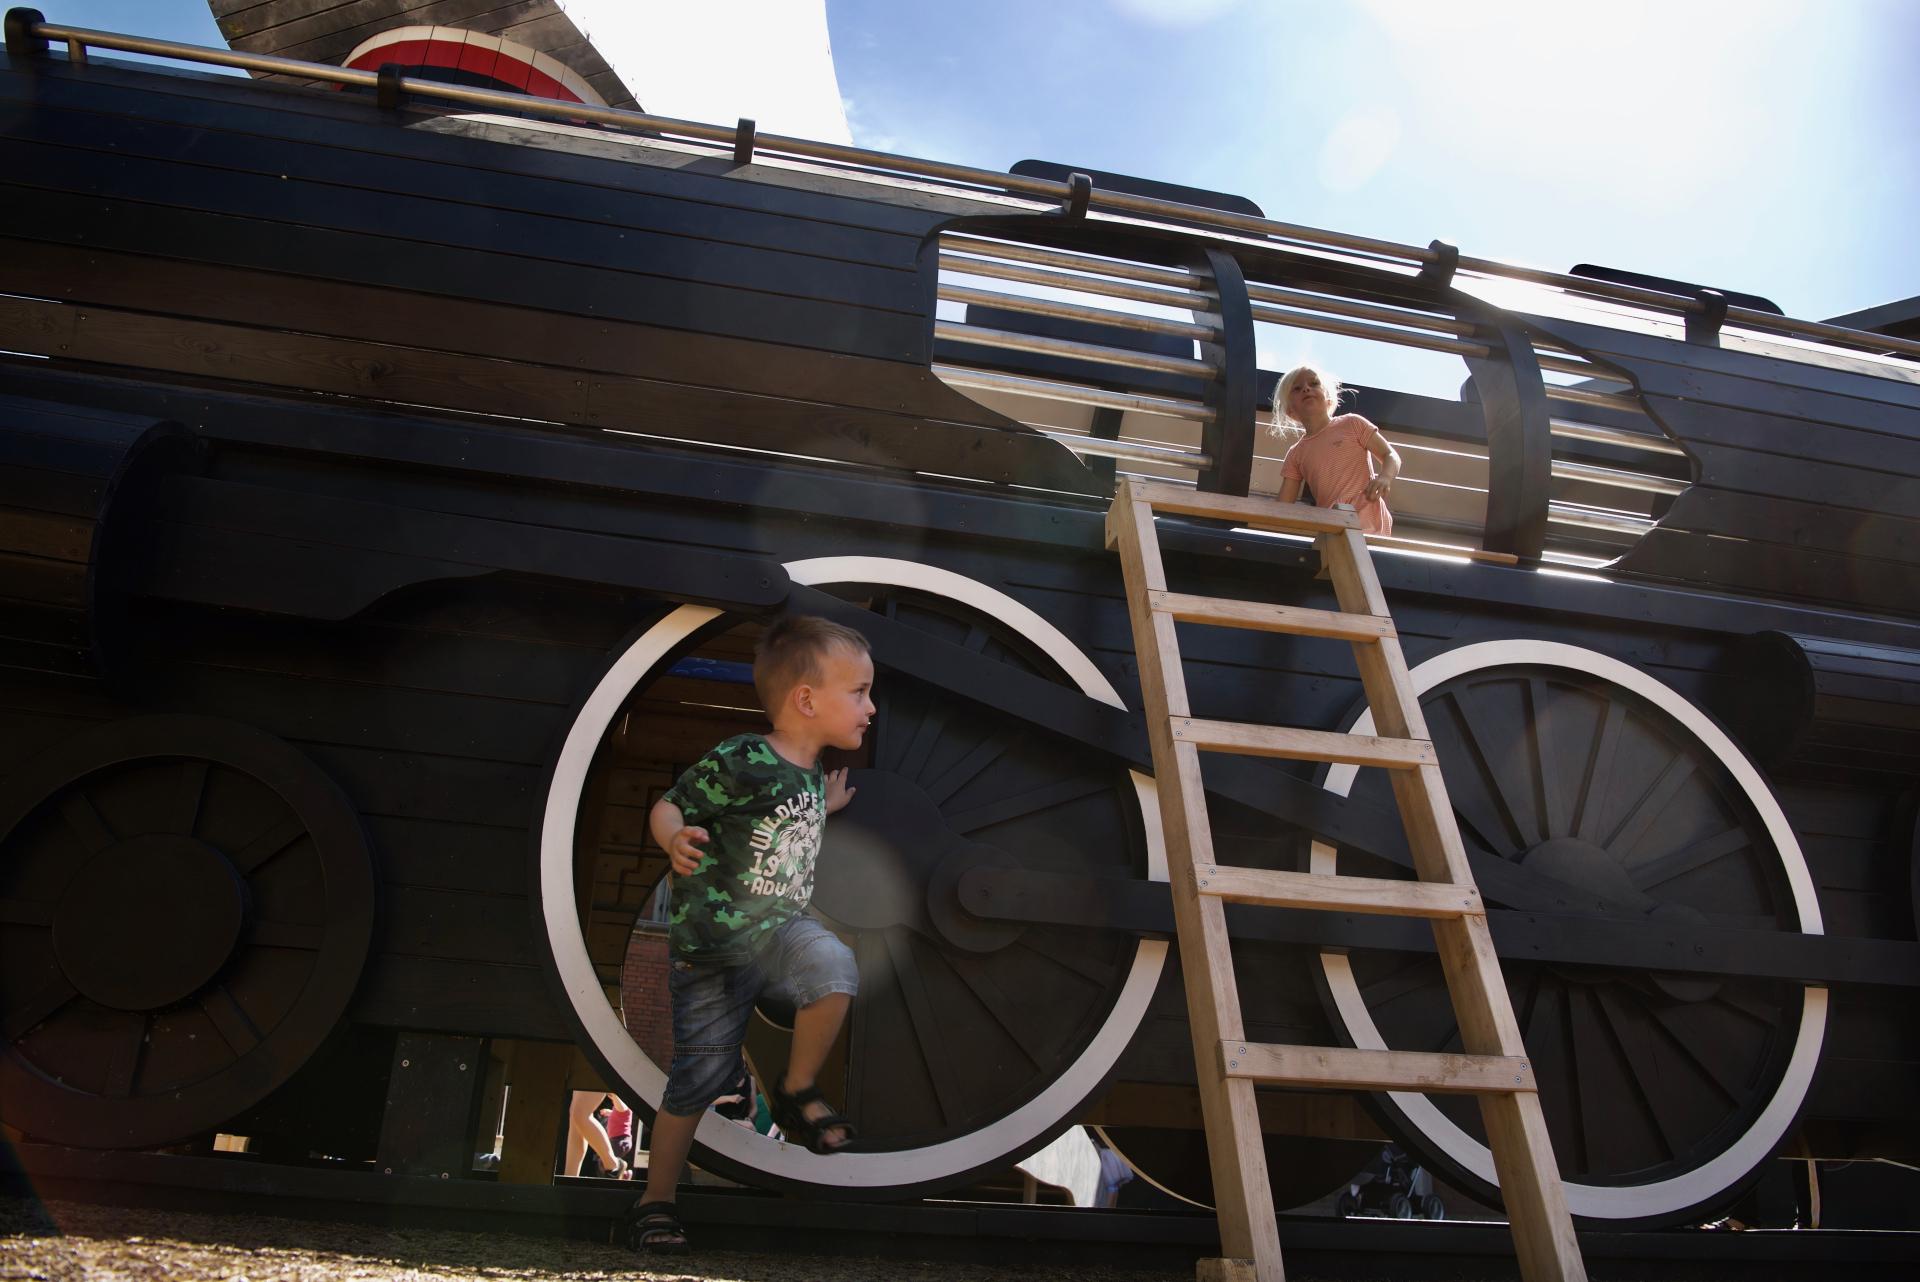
791, 653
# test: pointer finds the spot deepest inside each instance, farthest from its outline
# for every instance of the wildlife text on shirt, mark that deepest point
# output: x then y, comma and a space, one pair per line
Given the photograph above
764, 817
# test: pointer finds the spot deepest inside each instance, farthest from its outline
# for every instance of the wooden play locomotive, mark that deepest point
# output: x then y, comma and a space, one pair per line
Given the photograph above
388, 496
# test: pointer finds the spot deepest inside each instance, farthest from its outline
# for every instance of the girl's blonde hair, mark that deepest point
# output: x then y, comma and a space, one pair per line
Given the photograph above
1284, 426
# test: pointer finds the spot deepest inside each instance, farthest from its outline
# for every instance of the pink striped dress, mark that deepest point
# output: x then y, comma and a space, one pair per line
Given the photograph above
1336, 465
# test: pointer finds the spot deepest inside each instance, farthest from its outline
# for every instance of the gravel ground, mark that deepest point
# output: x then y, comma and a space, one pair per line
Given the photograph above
72, 1242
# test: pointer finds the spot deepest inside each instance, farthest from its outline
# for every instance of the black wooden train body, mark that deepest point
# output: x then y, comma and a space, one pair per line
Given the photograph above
373, 479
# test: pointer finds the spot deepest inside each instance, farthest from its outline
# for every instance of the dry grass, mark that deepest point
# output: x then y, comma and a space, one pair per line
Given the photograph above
72, 1242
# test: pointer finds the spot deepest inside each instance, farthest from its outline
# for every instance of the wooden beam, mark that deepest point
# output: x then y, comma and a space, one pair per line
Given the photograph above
1294, 744
1254, 513
1259, 616
1381, 895
1371, 1070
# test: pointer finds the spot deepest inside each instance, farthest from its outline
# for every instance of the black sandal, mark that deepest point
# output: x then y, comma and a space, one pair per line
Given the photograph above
655, 1228
790, 1111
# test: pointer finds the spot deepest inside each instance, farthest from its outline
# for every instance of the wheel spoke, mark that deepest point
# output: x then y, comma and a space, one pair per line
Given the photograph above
123, 1061
1044, 945
926, 736
1652, 802
1570, 1044
1026, 803
250, 857
1599, 1129
41, 1005
85, 821
1509, 815
928, 1031
1685, 1045
1554, 820
1766, 1017
1471, 834
1526, 1007
1412, 976
968, 768
1640, 1057
1657, 872
870, 956
192, 786
994, 999
1593, 788
229, 1020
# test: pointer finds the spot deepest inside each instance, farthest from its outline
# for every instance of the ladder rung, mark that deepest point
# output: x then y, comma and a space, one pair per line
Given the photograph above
1328, 893
1292, 619
1376, 1070
1256, 513
1296, 744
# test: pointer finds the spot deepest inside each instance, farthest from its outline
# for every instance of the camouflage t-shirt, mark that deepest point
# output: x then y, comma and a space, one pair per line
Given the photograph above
763, 815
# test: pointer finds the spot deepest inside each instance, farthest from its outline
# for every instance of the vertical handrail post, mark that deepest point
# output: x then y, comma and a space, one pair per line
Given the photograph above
1513, 396
1228, 439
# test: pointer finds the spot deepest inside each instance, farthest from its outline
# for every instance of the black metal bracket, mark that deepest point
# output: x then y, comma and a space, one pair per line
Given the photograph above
1235, 394
1079, 195
22, 40
1438, 274
743, 140
1703, 326
1512, 395
386, 88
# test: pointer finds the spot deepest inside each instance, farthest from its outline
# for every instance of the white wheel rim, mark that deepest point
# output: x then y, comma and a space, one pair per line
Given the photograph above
932, 1163
1710, 1179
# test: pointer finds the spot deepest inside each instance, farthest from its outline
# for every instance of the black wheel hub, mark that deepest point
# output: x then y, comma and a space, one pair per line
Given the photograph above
148, 921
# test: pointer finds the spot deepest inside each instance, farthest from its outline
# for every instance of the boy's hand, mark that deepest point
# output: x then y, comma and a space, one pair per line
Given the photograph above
838, 792
683, 850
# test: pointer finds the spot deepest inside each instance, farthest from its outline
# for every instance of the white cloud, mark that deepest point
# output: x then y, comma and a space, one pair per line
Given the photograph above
1358, 147
768, 60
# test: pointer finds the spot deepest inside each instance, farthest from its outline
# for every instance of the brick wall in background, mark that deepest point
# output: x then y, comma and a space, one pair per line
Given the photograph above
643, 994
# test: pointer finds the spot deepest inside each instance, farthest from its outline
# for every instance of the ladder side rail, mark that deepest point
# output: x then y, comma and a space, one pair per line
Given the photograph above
1529, 1175
1242, 1193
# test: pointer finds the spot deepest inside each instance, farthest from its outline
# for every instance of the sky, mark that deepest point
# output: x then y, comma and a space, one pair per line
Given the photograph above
1766, 146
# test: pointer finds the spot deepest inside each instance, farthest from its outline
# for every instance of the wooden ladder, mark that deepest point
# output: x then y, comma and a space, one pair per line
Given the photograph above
1494, 1066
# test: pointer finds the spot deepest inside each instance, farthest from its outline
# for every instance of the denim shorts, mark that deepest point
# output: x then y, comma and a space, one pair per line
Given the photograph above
800, 962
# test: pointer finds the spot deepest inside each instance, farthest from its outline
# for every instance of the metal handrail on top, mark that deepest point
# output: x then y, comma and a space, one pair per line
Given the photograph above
24, 29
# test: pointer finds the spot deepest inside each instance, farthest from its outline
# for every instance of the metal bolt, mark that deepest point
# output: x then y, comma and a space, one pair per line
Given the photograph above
389, 1170
1243, 1050
406, 1063
443, 1175
463, 1068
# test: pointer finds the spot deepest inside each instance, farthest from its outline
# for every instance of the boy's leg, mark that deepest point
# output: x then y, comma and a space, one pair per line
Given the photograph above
711, 1006
815, 1029
667, 1154
818, 972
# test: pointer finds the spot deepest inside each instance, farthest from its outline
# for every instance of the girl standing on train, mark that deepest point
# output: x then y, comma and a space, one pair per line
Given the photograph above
1334, 458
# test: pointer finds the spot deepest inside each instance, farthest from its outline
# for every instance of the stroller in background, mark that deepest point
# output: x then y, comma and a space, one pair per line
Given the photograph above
1392, 1185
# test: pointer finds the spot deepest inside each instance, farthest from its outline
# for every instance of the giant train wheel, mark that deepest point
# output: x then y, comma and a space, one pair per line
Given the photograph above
185, 908
1582, 785
971, 1042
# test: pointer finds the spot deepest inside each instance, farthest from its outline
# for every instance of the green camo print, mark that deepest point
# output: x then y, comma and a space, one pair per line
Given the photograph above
764, 816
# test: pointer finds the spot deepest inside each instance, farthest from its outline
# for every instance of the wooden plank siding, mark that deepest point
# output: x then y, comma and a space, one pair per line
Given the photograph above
1807, 488
326, 270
